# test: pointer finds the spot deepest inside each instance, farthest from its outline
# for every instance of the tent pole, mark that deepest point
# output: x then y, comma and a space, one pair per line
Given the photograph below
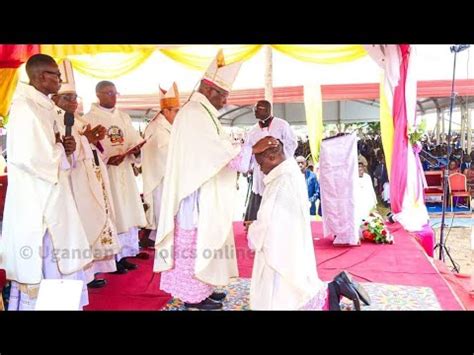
438, 126
469, 130
268, 73
463, 125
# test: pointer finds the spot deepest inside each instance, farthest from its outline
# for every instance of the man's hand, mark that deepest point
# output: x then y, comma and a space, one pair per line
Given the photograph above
69, 144
95, 134
264, 144
116, 160
135, 151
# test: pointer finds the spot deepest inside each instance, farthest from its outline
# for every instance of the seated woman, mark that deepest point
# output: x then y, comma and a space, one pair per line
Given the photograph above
453, 167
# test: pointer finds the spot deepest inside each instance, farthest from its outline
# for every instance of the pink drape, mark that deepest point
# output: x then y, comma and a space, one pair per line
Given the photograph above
398, 173
427, 239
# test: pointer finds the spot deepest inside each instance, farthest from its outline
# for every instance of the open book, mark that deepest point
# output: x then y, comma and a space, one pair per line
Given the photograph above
139, 145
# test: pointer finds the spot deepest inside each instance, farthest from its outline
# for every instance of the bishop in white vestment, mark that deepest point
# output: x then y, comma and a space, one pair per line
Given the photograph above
195, 249
154, 154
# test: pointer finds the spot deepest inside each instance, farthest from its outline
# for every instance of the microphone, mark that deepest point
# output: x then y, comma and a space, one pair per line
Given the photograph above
96, 157
459, 48
68, 122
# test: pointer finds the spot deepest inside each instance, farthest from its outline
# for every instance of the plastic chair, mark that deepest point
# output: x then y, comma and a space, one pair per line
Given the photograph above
458, 188
434, 180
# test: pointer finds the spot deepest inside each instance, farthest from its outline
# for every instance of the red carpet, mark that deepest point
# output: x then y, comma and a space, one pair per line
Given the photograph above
403, 263
137, 290
459, 283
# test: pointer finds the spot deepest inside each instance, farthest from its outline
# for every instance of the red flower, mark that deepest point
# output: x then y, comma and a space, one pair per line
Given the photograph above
367, 235
384, 233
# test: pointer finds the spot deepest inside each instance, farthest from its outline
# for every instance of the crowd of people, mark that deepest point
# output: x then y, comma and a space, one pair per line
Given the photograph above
434, 157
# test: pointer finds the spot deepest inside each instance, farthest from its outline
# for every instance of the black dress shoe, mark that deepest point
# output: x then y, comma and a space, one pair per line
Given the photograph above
363, 295
345, 289
390, 217
120, 269
97, 283
218, 296
206, 305
334, 298
127, 265
146, 243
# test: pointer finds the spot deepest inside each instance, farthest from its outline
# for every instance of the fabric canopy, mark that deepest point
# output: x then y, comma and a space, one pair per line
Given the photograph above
11, 57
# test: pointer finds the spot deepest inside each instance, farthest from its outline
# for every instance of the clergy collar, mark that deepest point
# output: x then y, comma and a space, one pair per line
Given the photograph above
266, 122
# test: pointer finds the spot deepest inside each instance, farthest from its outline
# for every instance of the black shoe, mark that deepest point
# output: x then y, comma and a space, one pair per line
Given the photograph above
127, 265
218, 296
207, 305
146, 243
361, 292
120, 269
390, 217
97, 283
334, 298
346, 289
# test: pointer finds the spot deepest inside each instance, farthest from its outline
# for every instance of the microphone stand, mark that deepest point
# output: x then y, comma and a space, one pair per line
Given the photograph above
442, 246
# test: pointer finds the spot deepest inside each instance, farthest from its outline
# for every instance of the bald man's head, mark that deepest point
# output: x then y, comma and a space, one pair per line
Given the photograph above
269, 158
37, 63
43, 73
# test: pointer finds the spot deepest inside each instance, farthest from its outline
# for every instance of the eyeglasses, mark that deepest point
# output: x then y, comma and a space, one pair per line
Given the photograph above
223, 94
109, 93
69, 97
58, 74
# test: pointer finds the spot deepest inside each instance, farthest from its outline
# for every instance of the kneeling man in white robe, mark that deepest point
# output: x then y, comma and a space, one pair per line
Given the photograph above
284, 275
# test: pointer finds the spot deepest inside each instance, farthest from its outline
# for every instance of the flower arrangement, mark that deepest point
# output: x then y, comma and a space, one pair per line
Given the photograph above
415, 133
373, 229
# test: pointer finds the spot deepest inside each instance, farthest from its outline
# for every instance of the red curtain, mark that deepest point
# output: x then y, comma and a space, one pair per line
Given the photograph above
13, 55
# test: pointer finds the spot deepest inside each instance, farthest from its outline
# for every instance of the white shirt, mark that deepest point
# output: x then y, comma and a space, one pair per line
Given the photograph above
279, 129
